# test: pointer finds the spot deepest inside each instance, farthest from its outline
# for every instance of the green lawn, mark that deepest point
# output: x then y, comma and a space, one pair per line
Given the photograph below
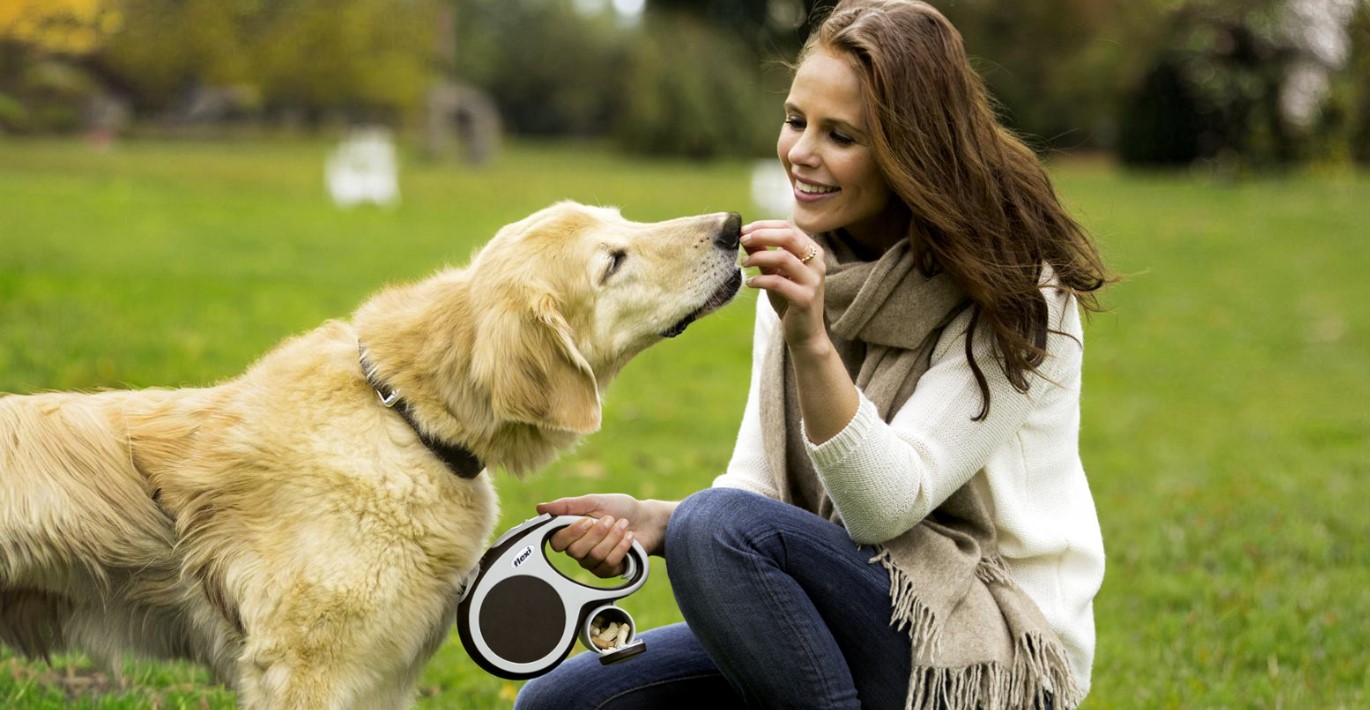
1226, 426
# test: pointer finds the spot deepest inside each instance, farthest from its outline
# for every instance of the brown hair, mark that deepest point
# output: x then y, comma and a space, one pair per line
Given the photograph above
983, 208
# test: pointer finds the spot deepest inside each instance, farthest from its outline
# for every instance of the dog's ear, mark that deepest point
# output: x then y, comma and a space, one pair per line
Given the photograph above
535, 372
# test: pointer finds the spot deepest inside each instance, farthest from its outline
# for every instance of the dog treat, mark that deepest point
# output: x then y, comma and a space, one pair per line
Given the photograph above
609, 636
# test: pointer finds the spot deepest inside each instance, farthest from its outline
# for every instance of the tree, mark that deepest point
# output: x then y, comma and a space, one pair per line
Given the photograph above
67, 27
553, 71
43, 84
769, 28
316, 56
1255, 75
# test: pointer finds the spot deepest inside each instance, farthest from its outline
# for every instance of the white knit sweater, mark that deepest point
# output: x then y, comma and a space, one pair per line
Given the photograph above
884, 478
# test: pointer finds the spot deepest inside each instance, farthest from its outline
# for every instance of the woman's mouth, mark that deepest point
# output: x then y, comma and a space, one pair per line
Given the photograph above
805, 191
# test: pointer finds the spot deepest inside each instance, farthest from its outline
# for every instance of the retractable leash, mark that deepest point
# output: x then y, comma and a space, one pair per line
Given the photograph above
520, 616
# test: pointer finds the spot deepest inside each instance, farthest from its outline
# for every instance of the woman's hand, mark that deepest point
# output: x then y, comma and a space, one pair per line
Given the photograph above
792, 274
601, 541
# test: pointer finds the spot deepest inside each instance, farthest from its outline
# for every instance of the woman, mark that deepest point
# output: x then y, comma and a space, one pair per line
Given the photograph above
873, 544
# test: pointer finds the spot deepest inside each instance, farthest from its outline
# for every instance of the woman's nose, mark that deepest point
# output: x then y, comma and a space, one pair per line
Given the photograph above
802, 151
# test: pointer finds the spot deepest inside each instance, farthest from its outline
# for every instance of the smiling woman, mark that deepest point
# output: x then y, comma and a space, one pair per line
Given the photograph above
927, 272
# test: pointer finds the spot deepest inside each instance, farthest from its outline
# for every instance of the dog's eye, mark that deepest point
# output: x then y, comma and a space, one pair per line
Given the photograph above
616, 258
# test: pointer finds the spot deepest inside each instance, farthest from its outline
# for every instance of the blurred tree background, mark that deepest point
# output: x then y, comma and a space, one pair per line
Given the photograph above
1238, 84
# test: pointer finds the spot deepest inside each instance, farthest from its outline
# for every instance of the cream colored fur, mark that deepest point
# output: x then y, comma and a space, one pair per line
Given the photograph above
286, 529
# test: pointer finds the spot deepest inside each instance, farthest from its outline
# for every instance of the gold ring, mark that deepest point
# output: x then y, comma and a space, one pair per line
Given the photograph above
811, 253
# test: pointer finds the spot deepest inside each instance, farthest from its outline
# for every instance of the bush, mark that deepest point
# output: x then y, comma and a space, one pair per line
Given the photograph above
1160, 122
550, 69
46, 95
1358, 88
1218, 87
691, 91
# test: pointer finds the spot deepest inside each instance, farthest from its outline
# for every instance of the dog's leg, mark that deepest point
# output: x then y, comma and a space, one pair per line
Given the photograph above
333, 648
399, 690
270, 679
335, 680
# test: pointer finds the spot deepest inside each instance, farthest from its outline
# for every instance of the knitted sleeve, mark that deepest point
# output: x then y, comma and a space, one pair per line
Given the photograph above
885, 478
747, 469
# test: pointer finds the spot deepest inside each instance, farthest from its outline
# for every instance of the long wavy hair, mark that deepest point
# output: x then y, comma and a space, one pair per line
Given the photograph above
982, 207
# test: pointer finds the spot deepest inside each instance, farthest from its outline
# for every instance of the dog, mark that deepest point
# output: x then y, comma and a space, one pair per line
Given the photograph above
304, 529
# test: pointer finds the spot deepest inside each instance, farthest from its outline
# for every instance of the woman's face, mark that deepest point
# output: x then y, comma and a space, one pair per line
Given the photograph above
825, 148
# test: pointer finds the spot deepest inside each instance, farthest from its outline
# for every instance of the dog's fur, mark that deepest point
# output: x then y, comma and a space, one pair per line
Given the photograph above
288, 530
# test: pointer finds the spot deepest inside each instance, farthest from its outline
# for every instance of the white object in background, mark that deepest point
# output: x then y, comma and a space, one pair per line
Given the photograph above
771, 191
364, 169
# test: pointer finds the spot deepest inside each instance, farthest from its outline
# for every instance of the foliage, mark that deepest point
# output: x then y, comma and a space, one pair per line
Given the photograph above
1160, 122
1221, 76
42, 84
551, 69
311, 56
765, 27
675, 85
1223, 424
49, 93
1356, 88
688, 77
1055, 78
70, 27
690, 90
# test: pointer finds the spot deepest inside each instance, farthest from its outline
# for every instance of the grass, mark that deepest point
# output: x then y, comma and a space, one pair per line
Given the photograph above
1225, 428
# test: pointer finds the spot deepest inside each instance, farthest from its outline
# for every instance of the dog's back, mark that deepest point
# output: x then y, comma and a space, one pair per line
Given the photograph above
86, 554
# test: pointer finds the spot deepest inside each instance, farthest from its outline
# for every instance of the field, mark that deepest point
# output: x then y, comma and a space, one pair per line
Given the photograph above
1226, 429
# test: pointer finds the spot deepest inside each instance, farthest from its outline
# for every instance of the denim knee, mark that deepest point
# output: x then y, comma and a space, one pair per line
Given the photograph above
532, 696
708, 530
707, 516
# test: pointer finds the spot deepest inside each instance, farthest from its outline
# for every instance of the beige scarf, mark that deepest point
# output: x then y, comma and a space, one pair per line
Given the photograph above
978, 641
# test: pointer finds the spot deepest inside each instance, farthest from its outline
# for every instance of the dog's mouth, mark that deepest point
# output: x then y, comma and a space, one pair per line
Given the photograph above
716, 300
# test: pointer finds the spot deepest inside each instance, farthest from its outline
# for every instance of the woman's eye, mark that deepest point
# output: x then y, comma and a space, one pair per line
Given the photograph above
842, 138
795, 123
616, 259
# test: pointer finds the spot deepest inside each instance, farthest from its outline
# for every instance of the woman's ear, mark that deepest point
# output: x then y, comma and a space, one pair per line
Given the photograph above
526, 356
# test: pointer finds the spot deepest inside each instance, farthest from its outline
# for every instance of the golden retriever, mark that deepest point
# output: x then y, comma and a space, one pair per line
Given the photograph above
290, 530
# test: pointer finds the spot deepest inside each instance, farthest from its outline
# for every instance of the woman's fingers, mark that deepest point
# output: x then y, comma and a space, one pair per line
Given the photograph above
563, 539
591, 536
613, 565
774, 261
598, 545
792, 272
777, 234
781, 247
611, 551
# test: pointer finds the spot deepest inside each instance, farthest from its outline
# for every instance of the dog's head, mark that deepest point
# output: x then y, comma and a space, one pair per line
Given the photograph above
565, 297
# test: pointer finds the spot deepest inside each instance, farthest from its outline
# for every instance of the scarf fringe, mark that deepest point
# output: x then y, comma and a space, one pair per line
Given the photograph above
1040, 669
993, 570
1039, 672
908, 611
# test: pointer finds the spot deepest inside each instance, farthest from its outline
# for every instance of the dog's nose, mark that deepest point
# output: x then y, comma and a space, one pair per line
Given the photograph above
728, 235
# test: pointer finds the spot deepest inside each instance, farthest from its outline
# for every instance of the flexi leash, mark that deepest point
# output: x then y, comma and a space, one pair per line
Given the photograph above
520, 616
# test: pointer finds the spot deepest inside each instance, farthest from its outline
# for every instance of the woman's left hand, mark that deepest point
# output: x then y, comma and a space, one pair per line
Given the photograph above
792, 274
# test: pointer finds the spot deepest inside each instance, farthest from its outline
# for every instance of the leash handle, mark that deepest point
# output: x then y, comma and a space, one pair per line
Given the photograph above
520, 616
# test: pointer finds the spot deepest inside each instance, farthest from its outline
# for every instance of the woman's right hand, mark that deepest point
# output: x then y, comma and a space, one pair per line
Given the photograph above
792, 272
613, 520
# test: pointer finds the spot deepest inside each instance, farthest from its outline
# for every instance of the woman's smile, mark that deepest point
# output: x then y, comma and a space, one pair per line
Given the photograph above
806, 191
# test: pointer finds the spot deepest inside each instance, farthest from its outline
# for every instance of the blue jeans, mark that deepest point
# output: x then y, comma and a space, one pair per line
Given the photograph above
782, 610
